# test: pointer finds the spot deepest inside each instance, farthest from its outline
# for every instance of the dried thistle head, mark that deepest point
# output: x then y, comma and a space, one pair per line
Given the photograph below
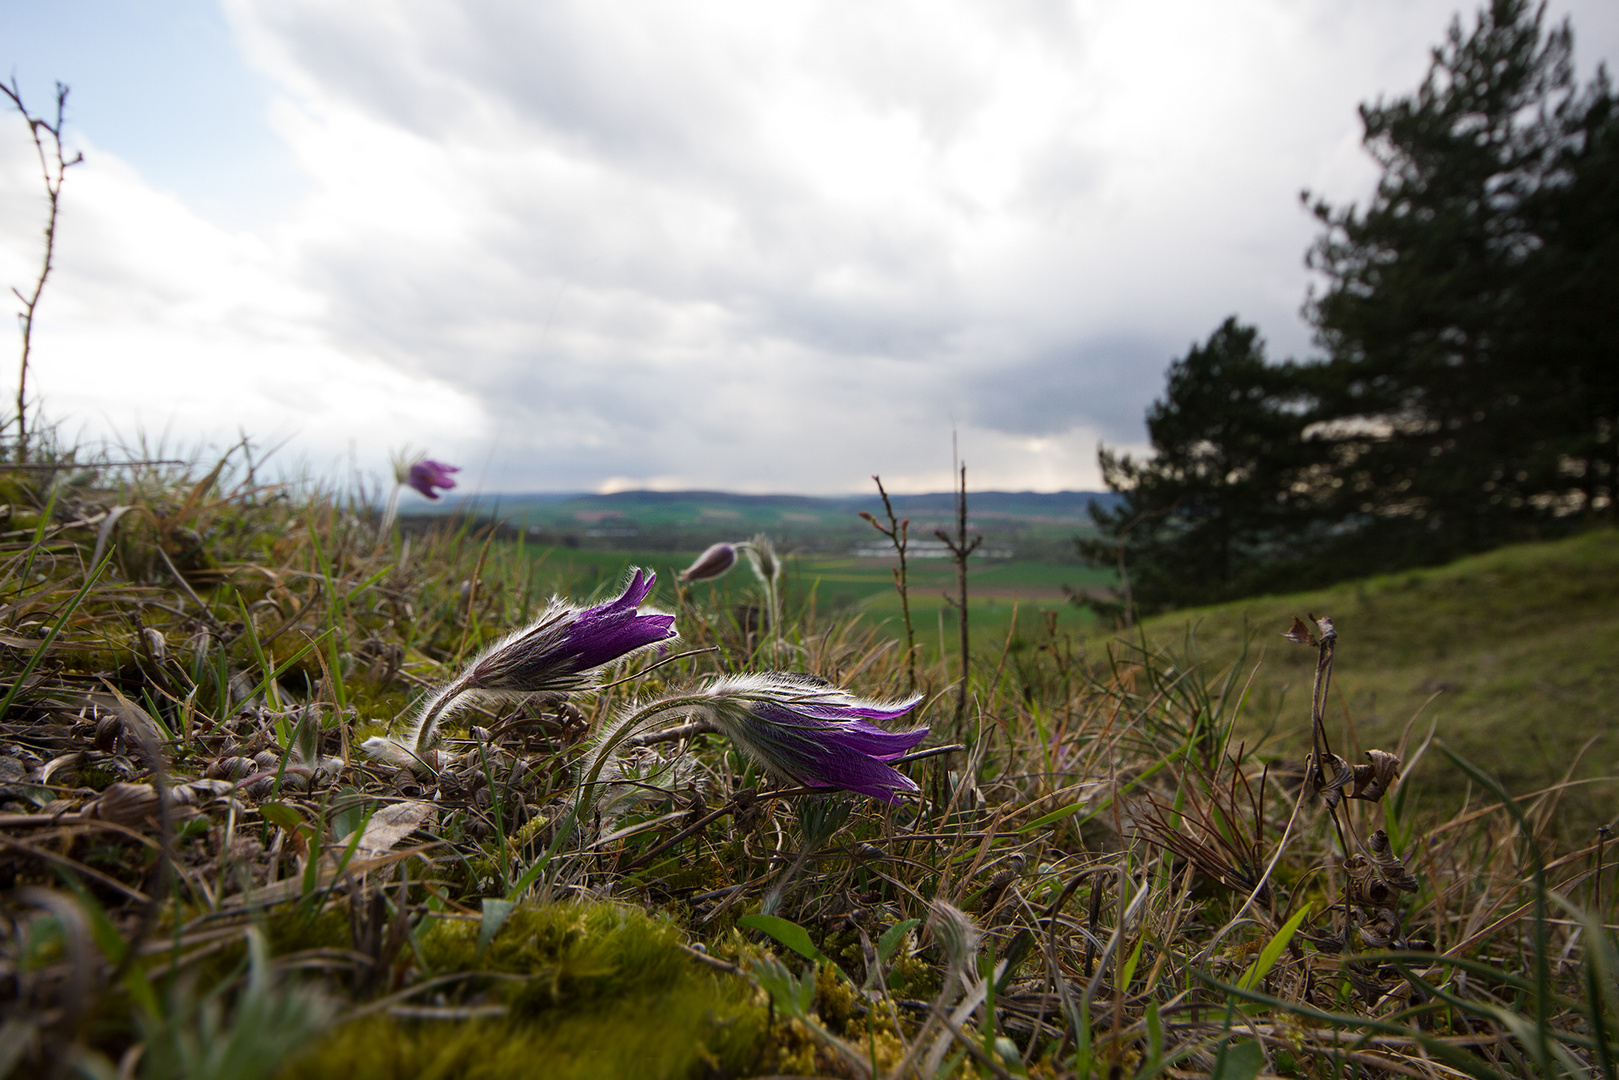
761, 555
957, 935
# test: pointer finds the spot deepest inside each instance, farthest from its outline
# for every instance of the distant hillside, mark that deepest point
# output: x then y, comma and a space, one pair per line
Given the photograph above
1514, 655
1038, 524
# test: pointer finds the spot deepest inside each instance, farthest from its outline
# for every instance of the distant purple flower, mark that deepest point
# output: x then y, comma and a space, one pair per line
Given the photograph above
711, 563
425, 475
557, 654
817, 736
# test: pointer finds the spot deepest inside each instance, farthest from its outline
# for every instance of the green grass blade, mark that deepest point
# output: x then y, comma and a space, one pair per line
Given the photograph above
50, 636
1272, 951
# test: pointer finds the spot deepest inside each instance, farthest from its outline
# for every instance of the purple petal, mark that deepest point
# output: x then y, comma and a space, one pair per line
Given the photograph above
857, 734
820, 758
426, 475
825, 750
608, 631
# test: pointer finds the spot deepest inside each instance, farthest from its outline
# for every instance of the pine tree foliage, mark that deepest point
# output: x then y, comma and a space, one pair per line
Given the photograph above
1456, 403
1213, 506
1469, 313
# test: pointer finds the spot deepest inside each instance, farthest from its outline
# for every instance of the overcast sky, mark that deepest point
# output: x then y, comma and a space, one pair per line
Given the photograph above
760, 247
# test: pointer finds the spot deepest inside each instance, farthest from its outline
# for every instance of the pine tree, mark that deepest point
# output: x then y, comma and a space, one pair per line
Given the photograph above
1212, 507
1446, 415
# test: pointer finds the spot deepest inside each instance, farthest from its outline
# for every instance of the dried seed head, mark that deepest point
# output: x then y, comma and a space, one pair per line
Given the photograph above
957, 935
108, 728
1373, 781
156, 643
230, 768
761, 555
125, 804
1299, 633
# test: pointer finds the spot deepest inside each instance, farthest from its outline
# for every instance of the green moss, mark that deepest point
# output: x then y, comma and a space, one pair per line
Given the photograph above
290, 930
607, 992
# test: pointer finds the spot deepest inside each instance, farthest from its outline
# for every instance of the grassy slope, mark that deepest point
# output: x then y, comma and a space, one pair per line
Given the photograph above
1518, 651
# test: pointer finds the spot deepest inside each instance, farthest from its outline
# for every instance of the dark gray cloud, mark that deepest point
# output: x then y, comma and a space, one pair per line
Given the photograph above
1103, 384
736, 245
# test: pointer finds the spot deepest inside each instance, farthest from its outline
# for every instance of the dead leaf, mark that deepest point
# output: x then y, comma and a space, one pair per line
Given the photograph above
1391, 869
1335, 772
1373, 781
390, 825
1299, 633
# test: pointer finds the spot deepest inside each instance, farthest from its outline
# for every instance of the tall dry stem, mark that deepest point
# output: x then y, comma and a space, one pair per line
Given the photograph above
53, 165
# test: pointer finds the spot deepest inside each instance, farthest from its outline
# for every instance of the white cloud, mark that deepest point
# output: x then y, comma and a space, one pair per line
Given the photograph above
756, 247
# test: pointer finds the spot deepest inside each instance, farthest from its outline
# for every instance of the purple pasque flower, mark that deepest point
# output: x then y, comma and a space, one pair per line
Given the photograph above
814, 735
713, 562
558, 653
427, 474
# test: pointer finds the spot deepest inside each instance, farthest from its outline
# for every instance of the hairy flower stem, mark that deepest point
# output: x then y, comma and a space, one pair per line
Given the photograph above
389, 514
421, 740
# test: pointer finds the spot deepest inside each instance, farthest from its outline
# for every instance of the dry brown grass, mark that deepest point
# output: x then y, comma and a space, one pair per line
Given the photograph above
202, 875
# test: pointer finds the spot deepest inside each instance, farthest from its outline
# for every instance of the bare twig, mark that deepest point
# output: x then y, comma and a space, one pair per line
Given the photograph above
960, 548
898, 533
53, 164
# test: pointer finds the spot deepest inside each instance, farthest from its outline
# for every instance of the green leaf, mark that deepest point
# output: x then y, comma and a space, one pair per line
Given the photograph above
1055, 815
892, 937
280, 814
1128, 975
495, 914
793, 995
1240, 1062
790, 934
1272, 951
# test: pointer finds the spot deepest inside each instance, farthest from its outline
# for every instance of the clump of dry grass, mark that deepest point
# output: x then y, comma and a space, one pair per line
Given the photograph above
202, 877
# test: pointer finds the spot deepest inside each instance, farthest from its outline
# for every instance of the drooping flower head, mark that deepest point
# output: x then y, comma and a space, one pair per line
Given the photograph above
558, 653
713, 562
427, 474
814, 735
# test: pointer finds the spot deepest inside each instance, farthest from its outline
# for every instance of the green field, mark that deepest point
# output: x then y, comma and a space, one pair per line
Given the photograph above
1511, 657
996, 589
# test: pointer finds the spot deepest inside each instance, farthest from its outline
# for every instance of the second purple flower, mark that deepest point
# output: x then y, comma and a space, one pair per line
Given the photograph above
814, 735
427, 475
